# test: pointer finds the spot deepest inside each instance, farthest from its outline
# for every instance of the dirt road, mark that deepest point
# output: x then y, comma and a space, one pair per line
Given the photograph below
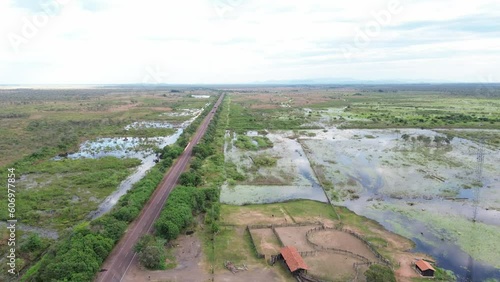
120, 259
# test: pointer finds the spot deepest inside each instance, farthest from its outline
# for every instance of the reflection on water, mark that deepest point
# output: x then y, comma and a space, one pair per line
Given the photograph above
448, 255
303, 185
123, 147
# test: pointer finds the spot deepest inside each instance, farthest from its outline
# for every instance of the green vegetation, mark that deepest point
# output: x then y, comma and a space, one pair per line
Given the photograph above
190, 178
379, 273
304, 209
61, 119
264, 160
253, 143
60, 194
151, 252
364, 108
182, 203
64, 261
413, 109
243, 117
459, 230
78, 256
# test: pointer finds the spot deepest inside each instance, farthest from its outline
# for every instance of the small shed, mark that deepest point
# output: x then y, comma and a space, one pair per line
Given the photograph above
293, 260
425, 268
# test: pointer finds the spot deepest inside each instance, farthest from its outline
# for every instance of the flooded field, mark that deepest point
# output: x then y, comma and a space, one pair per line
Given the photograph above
291, 177
131, 147
418, 183
124, 147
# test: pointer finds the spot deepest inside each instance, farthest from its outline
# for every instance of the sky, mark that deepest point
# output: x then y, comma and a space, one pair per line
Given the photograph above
248, 41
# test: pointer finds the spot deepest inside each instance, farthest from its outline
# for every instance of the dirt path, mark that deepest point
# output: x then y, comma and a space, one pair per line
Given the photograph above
189, 259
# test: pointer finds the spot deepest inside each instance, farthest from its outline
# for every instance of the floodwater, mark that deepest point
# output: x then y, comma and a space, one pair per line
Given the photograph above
124, 147
292, 168
418, 192
132, 147
447, 254
424, 193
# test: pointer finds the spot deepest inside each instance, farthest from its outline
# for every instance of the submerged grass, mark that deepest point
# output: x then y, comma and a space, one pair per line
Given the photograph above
477, 239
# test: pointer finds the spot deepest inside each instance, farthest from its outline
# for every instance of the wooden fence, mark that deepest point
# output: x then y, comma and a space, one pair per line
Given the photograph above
382, 259
259, 255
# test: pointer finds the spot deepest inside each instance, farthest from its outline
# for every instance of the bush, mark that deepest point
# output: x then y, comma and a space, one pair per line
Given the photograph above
190, 178
263, 160
379, 273
33, 243
150, 252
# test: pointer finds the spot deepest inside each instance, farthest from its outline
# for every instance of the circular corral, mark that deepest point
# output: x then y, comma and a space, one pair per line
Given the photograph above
336, 239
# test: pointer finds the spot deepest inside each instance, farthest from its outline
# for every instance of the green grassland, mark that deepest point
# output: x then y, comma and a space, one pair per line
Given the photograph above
428, 110
365, 109
60, 194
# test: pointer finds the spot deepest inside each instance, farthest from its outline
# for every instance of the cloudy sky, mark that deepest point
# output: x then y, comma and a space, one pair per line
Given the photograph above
244, 41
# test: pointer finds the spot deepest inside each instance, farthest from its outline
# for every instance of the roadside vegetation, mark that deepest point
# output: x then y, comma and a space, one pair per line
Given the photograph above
186, 203
79, 253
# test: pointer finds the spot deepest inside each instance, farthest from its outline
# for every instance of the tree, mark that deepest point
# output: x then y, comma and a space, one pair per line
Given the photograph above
203, 151
190, 178
143, 242
150, 252
109, 227
196, 163
171, 152
166, 229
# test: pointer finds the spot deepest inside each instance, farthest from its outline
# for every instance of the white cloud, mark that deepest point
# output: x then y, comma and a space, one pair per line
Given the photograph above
226, 41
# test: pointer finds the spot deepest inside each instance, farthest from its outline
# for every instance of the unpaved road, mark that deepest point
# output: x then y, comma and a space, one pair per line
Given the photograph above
120, 259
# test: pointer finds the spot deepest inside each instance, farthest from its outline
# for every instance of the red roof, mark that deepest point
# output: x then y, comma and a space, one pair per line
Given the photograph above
423, 265
293, 258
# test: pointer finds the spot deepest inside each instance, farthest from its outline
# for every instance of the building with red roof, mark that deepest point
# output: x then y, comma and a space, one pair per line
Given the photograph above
293, 259
425, 268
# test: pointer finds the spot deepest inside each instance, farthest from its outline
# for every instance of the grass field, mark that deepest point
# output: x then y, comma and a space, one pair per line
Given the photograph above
362, 108
60, 194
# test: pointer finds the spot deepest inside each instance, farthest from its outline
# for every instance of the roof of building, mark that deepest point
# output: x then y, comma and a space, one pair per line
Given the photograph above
293, 258
423, 265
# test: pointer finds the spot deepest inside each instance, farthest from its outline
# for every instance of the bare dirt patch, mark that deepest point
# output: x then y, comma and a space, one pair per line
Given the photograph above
341, 240
265, 241
295, 236
331, 266
190, 265
252, 275
255, 217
